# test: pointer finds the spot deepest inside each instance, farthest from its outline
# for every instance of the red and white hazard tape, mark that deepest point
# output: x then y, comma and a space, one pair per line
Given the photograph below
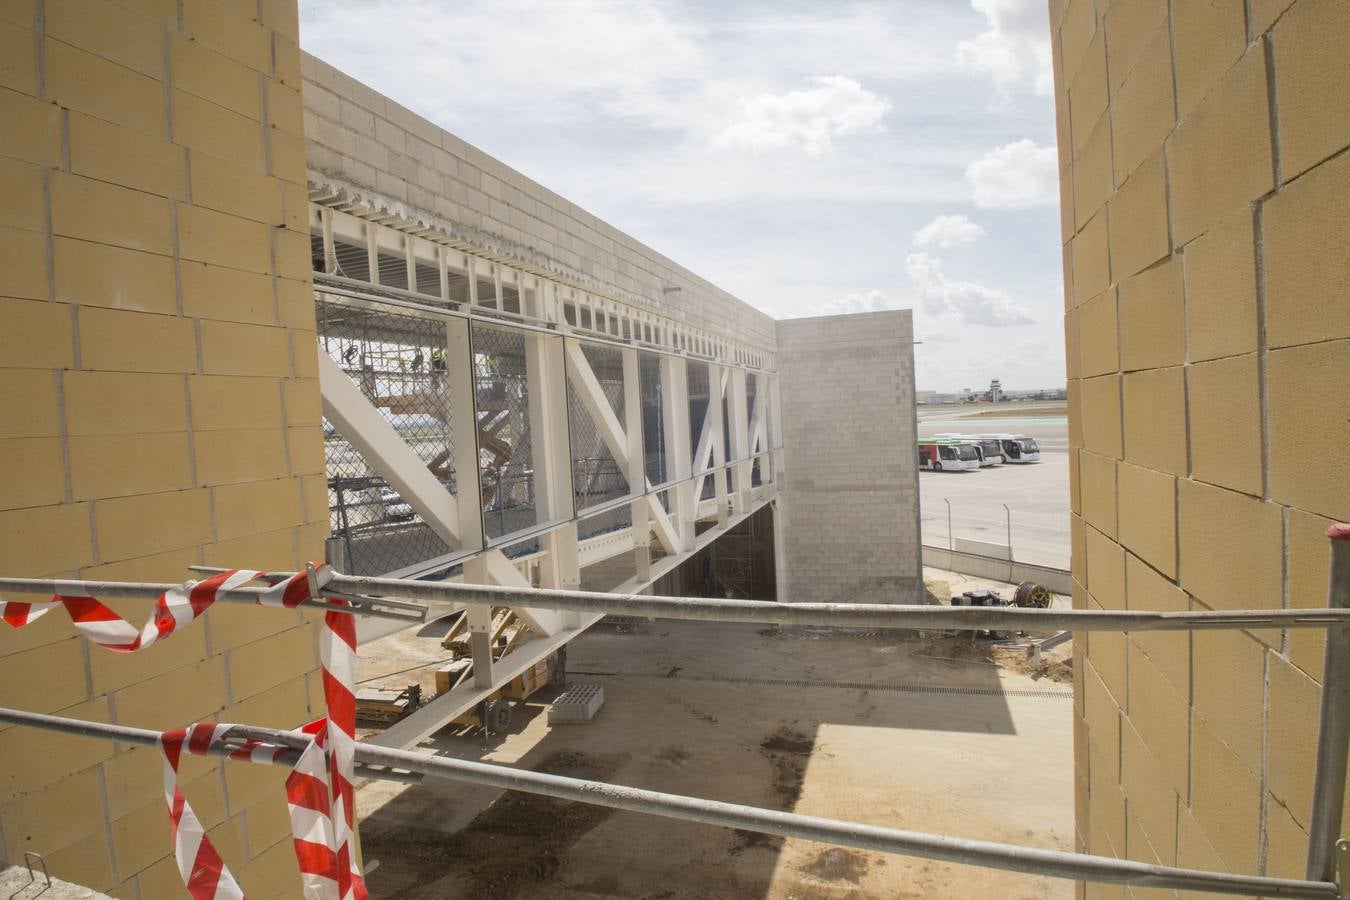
318, 790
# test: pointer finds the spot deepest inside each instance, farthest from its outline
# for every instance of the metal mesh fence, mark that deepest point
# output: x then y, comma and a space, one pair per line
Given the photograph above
601, 523
751, 398
653, 420
596, 477
397, 359
506, 471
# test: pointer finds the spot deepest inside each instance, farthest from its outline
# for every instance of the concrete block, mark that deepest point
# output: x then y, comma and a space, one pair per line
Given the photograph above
1225, 800
1264, 13
209, 128
221, 239
102, 275
1155, 419
1091, 259
1106, 571
137, 526
25, 206
1092, 179
578, 703
1151, 794
96, 211
1158, 718
1138, 219
1308, 407
1309, 560
1143, 111
35, 333
1129, 29
1287, 843
229, 188
227, 402
1097, 335
117, 340
28, 824
248, 454
1101, 414
229, 348
236, 36
1088, 91
34, 132
128, 157
120, 465
45, 540
256, 506
28, 403
1152, 318
90, 84
123, 403
1170, 651
1194, 849
108, 31
187, 694
1295, 704
1077, 29
1231, 548
232, 295
1304, 228
1209, 40
48, 757
1224, 400
1312, 86
1106, 836
1229, 695
1148, 523
1219, 158
1097, 489
1221, 289
205, 73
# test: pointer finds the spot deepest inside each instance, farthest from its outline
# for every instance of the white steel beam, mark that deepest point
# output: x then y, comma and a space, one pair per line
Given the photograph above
366, 429
459, 387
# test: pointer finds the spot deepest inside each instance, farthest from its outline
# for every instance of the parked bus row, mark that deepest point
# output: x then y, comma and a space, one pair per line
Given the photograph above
954, 452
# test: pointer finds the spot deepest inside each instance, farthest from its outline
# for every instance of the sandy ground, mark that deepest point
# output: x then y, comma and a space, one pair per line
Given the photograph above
945, 739
1037, 494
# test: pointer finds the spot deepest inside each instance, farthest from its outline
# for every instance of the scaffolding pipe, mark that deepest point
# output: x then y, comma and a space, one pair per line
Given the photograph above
1333, 738
384, 763
840, 615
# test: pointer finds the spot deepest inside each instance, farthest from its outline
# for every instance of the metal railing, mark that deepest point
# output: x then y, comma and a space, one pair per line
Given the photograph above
1333, 741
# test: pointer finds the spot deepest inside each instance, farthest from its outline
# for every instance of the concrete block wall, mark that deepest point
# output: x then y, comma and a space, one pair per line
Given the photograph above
851, 487
1205, 196
158, 407
365, 145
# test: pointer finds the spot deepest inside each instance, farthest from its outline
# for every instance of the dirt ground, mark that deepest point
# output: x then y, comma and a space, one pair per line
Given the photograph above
947, 736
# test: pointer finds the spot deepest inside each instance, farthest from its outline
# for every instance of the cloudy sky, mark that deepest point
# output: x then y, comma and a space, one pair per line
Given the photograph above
809, 157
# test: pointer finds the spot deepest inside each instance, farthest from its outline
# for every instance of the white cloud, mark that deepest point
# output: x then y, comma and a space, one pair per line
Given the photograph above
1013, 49
948, 231
864, 301
972, 304
833, 106
1015, 176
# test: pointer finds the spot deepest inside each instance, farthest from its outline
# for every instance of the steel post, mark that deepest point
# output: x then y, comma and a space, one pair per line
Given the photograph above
1333, 736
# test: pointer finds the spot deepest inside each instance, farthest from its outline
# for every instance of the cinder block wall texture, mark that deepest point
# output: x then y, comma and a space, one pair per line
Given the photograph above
851, 488
383, 155
1205, 192
158, 407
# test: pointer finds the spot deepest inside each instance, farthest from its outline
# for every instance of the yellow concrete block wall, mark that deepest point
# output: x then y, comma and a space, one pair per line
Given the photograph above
157, 409
1205, 195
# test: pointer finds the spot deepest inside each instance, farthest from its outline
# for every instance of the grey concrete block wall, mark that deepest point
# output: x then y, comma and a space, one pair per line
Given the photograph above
361, 143
851, 488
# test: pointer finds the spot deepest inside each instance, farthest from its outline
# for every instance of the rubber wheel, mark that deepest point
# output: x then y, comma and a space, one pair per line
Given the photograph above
497, 718
937, 467
1032, 595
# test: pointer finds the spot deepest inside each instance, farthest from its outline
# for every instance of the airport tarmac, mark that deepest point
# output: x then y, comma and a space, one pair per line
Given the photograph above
1036, 494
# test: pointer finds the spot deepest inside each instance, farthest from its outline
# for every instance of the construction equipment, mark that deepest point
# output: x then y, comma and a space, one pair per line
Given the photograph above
380, 706
1029, 595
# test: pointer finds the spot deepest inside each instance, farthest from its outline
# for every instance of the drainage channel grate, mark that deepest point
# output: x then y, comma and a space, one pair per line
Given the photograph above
846, 685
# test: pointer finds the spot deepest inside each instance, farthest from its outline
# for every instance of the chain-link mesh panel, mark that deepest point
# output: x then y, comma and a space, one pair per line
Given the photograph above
752, 397
596, 477
697, 379
601, 523
397, 359
505, 461
653, 420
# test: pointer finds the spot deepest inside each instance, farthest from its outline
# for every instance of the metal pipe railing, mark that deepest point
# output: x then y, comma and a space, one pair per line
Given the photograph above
844, 615
1334, 722
402, 765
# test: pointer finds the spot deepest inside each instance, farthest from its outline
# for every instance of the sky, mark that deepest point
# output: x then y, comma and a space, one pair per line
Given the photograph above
811, 158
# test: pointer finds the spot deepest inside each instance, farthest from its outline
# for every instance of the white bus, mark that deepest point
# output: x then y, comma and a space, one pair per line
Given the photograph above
1017, 448
991, 451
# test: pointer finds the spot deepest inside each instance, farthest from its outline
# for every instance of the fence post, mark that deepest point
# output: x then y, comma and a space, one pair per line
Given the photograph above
1334, 725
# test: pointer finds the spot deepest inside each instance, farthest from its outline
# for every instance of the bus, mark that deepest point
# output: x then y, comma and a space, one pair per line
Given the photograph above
939, 456
1017, 448
991, 451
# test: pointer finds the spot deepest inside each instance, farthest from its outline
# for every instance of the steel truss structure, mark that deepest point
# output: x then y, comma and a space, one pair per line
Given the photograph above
502, 427
1326, 852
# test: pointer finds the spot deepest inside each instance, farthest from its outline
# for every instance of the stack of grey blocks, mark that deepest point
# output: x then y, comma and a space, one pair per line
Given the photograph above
578, 703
